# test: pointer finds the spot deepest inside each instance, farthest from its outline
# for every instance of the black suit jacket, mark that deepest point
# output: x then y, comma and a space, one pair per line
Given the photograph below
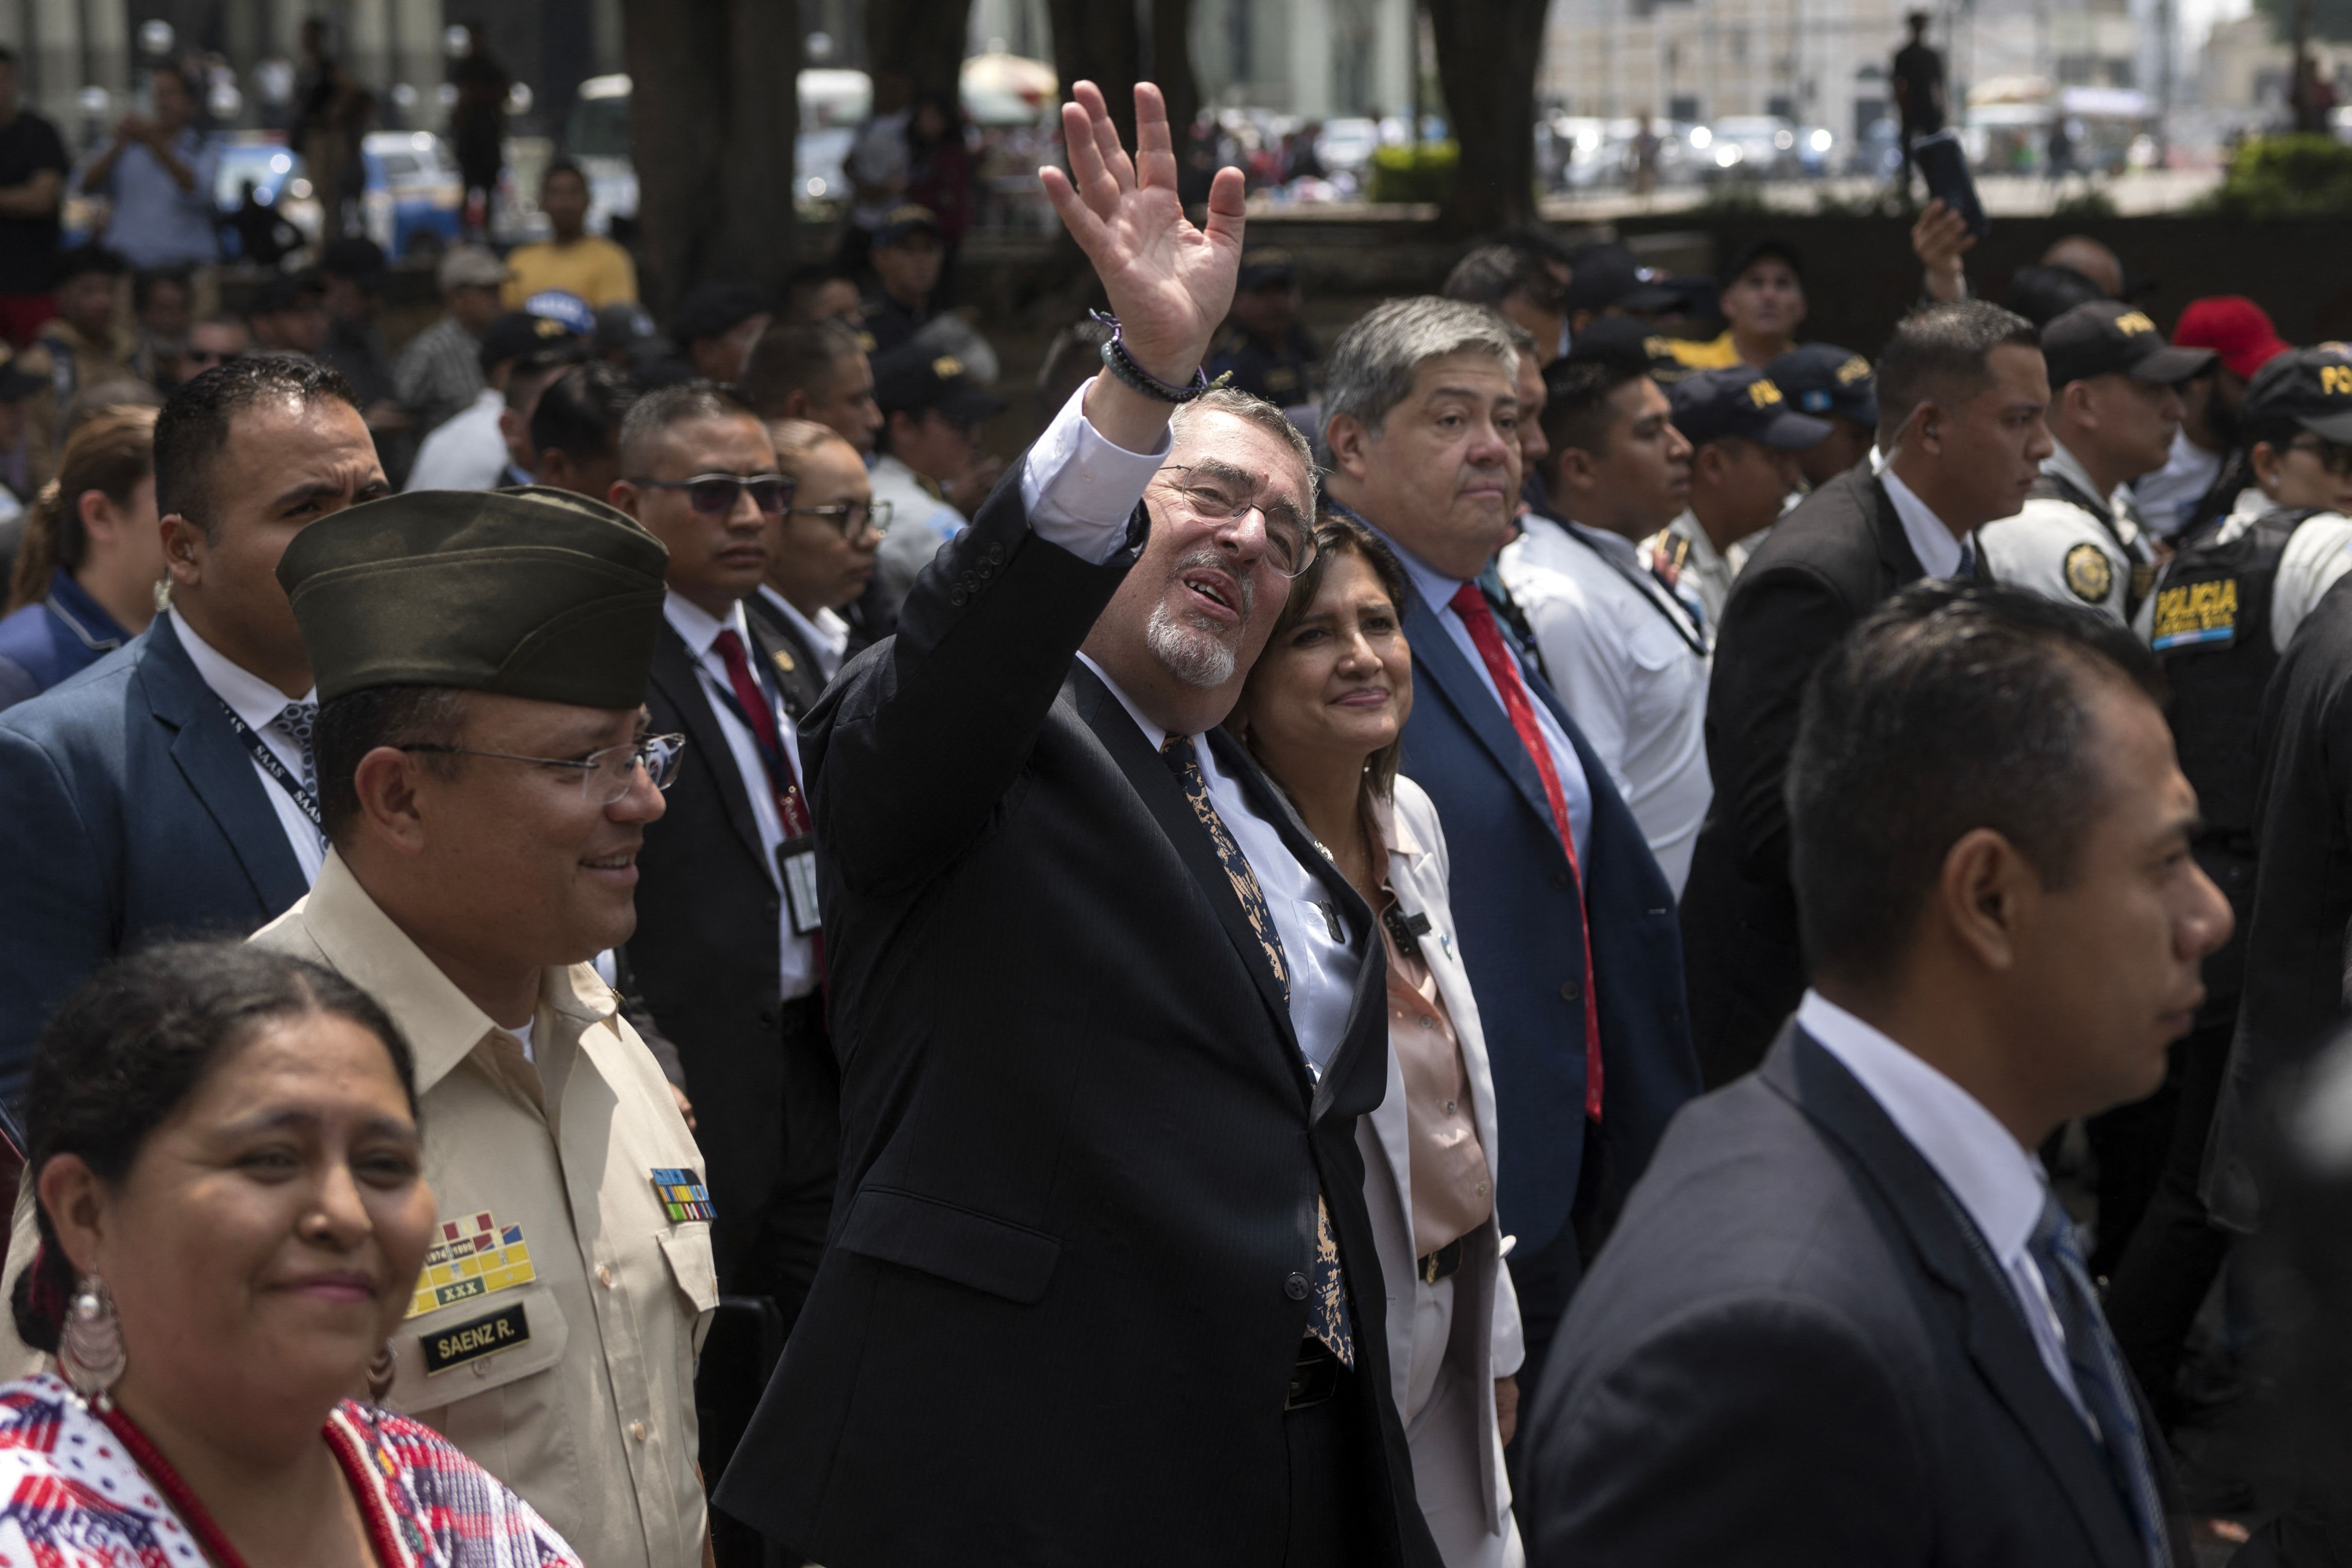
1080, 1151
1797, 1349
1824, 567
705, 960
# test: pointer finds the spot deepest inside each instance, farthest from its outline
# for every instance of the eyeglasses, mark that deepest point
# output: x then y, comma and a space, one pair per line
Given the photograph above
851, 517
604, 776
714, 495
2335, 458
1215, 493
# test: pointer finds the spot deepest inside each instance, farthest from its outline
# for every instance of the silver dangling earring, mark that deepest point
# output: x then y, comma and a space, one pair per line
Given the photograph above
381, 1373
89, 1345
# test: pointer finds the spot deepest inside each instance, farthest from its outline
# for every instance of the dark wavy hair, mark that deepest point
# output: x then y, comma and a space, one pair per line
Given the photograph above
132, 1043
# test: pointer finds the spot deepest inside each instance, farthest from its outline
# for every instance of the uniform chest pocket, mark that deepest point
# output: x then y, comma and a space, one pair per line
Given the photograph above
473, 1346
1653, 646
688, 1249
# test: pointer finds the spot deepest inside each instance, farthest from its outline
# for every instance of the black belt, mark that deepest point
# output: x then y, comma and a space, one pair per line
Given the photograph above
1315, 1377
1442, 1264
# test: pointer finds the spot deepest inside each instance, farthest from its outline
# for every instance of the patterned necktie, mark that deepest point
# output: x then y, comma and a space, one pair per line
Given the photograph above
2099, 1375
1328, 1316
298, 722
1471, 605
1968, 567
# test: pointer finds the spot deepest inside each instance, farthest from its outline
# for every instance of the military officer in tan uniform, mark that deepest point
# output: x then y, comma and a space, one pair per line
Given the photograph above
482, 659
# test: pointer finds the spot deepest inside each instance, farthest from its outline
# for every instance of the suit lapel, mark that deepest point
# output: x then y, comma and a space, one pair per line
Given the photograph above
218, 771
1435, 656
1898, 562
789, 658
674, 677
1998, 1343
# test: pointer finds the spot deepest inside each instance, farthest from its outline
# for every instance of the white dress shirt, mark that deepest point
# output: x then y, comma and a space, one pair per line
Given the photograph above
1937, 547
258, 703
1628, 663
466, 451
827, 636
1997, 1179
796, 962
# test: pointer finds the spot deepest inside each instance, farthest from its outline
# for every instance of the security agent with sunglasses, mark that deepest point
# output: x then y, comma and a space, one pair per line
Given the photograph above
486, 778
813, 602
1104, 1278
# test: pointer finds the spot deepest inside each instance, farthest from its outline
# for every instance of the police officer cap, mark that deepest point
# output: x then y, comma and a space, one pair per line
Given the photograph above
2107, 337
1265, 268
1626, 335
534, 593
907, 217
519, 334
1821, 378
2309, 389
1604, 276
916, 376
1741, 401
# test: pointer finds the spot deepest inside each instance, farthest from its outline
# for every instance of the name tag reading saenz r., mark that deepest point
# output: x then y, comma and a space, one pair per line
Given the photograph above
471, 1341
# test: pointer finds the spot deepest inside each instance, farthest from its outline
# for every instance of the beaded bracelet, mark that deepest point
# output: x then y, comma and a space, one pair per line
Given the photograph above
1120, 363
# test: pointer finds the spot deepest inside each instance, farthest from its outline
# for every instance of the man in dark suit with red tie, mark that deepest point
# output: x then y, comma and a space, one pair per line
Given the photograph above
1104, 1284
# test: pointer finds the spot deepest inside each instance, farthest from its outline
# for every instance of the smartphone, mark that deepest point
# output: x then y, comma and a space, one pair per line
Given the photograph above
1945, 164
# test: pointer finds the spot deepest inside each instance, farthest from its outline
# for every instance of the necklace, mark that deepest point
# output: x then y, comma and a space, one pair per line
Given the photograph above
382, 1541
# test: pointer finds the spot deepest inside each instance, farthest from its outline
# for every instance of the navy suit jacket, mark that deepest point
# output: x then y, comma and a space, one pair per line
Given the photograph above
1522, 934
129, 813
1799, 1351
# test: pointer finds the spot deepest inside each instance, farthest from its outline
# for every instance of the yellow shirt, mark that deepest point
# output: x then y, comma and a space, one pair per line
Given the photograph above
1715, 355
596, 270
566, 1347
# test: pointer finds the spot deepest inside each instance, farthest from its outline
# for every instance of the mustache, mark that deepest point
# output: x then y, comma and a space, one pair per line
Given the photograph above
1214, 560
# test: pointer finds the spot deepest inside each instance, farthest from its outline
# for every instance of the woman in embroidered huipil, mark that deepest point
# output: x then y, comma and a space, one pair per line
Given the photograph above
233, 1218
1324, 714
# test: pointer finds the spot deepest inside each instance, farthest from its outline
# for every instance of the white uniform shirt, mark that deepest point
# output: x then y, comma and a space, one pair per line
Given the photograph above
796, 962
1705, 574
258, 703
827, 636
2061, 550
2168, 496
1632, 666
1937, 548
1996, 1179
466, 451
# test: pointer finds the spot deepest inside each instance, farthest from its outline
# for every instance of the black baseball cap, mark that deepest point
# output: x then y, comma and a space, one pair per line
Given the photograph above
714, 310
916, 376
1741, 401
1605, 276
519, 334
2309, 389
2107, 337
1265, 266
1821, 378
1757, 250
906, 218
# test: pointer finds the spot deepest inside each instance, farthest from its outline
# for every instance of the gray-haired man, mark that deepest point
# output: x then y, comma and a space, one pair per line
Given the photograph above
1567, 923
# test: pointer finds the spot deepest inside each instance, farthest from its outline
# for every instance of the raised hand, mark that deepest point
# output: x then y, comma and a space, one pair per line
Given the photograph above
1169, 284
1941, 241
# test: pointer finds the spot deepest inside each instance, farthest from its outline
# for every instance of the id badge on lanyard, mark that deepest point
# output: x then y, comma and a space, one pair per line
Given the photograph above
796, 869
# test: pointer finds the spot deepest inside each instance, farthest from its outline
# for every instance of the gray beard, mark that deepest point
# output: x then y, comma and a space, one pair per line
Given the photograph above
1193, 653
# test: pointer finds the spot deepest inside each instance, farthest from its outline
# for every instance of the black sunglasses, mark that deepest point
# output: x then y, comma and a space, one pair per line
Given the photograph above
714, 495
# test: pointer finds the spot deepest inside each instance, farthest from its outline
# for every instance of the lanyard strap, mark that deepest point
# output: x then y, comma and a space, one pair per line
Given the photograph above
783, 783
304, 801
1654, 594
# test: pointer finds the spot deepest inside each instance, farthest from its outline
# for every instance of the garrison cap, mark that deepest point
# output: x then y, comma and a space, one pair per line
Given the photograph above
533, 592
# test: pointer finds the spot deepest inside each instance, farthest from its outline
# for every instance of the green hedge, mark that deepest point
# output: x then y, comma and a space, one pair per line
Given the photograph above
1422, 173
2286, 176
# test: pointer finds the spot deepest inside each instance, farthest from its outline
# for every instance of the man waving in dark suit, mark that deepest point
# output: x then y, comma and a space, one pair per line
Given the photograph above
1844, 1319
1101, 1282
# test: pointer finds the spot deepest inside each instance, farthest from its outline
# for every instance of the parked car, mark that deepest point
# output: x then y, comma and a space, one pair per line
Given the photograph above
1754, 147
414, 200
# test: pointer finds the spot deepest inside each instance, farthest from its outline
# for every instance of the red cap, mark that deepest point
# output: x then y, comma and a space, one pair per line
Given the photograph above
2233, 327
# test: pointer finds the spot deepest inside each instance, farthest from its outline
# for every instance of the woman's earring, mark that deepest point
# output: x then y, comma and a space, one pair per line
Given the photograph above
381, 1373
90, 1346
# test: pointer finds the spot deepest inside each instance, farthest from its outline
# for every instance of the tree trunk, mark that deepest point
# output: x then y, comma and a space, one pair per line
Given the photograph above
713, 149
1172, 65
1097, 41
921, 39
1486, 58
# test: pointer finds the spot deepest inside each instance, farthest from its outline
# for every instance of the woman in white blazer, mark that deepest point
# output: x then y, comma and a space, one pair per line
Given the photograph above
1323, 712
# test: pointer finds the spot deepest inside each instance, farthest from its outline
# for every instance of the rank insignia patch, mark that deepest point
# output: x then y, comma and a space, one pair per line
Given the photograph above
2089, 574
474, 1256
683, 1196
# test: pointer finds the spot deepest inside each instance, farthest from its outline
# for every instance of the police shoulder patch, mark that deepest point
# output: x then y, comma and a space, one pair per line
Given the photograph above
2089, 576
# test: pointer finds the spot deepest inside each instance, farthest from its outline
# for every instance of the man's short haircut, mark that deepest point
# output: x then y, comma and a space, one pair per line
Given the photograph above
1494, 273
652, 417
357, 722
797, 356
1942, 355
194, 429
528, 374
580, 414
1577, 393
1955, 706
1374, 362
562, 166
1255, 411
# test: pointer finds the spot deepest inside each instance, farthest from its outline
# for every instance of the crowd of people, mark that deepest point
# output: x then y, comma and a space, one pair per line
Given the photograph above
1471, 947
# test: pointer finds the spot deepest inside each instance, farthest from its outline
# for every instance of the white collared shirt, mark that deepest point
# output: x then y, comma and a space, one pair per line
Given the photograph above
796, 961
1322, 968
466, 451
258, 703
1706, 574
1937, 547
1997, 1180
827, 636
1628, 664
2056, 547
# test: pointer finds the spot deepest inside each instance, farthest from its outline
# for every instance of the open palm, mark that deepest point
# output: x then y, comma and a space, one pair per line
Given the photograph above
1169, 283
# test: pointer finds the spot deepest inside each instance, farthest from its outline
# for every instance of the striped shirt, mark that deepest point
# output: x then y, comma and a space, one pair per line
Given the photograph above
439, 373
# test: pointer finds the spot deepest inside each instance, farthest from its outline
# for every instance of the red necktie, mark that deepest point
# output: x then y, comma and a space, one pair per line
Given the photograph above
761, 717
1471, 605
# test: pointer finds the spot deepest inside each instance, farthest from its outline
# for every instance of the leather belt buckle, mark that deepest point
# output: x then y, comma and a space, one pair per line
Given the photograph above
1315, 1377
1441, 1264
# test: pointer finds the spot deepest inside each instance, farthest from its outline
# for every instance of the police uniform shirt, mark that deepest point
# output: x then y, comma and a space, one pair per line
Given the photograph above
2062, 551
1703, 574
1631, 665
888, 323
1283, 373
2316, 554
558, 1352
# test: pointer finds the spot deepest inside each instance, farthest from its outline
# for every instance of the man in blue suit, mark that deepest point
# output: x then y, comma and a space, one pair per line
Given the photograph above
169, 788
1567, 924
